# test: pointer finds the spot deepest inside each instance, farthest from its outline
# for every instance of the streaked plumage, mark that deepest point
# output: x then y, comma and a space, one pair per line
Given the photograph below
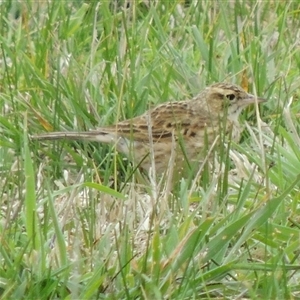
190, 123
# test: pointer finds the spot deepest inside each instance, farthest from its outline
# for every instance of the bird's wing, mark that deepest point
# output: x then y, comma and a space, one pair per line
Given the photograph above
173, 118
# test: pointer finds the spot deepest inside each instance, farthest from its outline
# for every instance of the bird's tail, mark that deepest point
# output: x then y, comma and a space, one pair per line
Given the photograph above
97, 136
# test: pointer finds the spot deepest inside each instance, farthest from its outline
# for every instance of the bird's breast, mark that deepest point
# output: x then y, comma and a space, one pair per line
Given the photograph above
234, 130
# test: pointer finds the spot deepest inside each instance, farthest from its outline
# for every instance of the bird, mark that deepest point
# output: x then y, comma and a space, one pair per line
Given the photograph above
180, 128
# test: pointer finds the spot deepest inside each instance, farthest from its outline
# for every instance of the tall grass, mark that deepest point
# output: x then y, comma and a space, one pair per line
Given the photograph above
77, 221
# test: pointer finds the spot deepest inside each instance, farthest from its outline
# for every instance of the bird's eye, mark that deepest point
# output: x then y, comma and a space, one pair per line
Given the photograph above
230, 96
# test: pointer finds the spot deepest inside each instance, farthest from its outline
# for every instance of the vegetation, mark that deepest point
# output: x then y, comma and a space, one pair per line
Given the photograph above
77, 221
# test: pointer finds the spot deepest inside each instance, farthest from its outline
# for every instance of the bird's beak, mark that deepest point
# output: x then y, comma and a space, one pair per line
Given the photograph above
252, 99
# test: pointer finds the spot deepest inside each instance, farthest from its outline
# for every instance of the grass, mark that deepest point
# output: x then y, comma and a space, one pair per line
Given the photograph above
77, 222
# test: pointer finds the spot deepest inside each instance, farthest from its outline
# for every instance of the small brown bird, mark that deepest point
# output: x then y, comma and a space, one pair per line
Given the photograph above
185, 126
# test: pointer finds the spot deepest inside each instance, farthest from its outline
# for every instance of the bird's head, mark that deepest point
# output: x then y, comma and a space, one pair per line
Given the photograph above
229, 99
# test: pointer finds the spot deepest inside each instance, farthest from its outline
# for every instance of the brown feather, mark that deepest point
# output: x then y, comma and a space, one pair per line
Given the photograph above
190, 123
